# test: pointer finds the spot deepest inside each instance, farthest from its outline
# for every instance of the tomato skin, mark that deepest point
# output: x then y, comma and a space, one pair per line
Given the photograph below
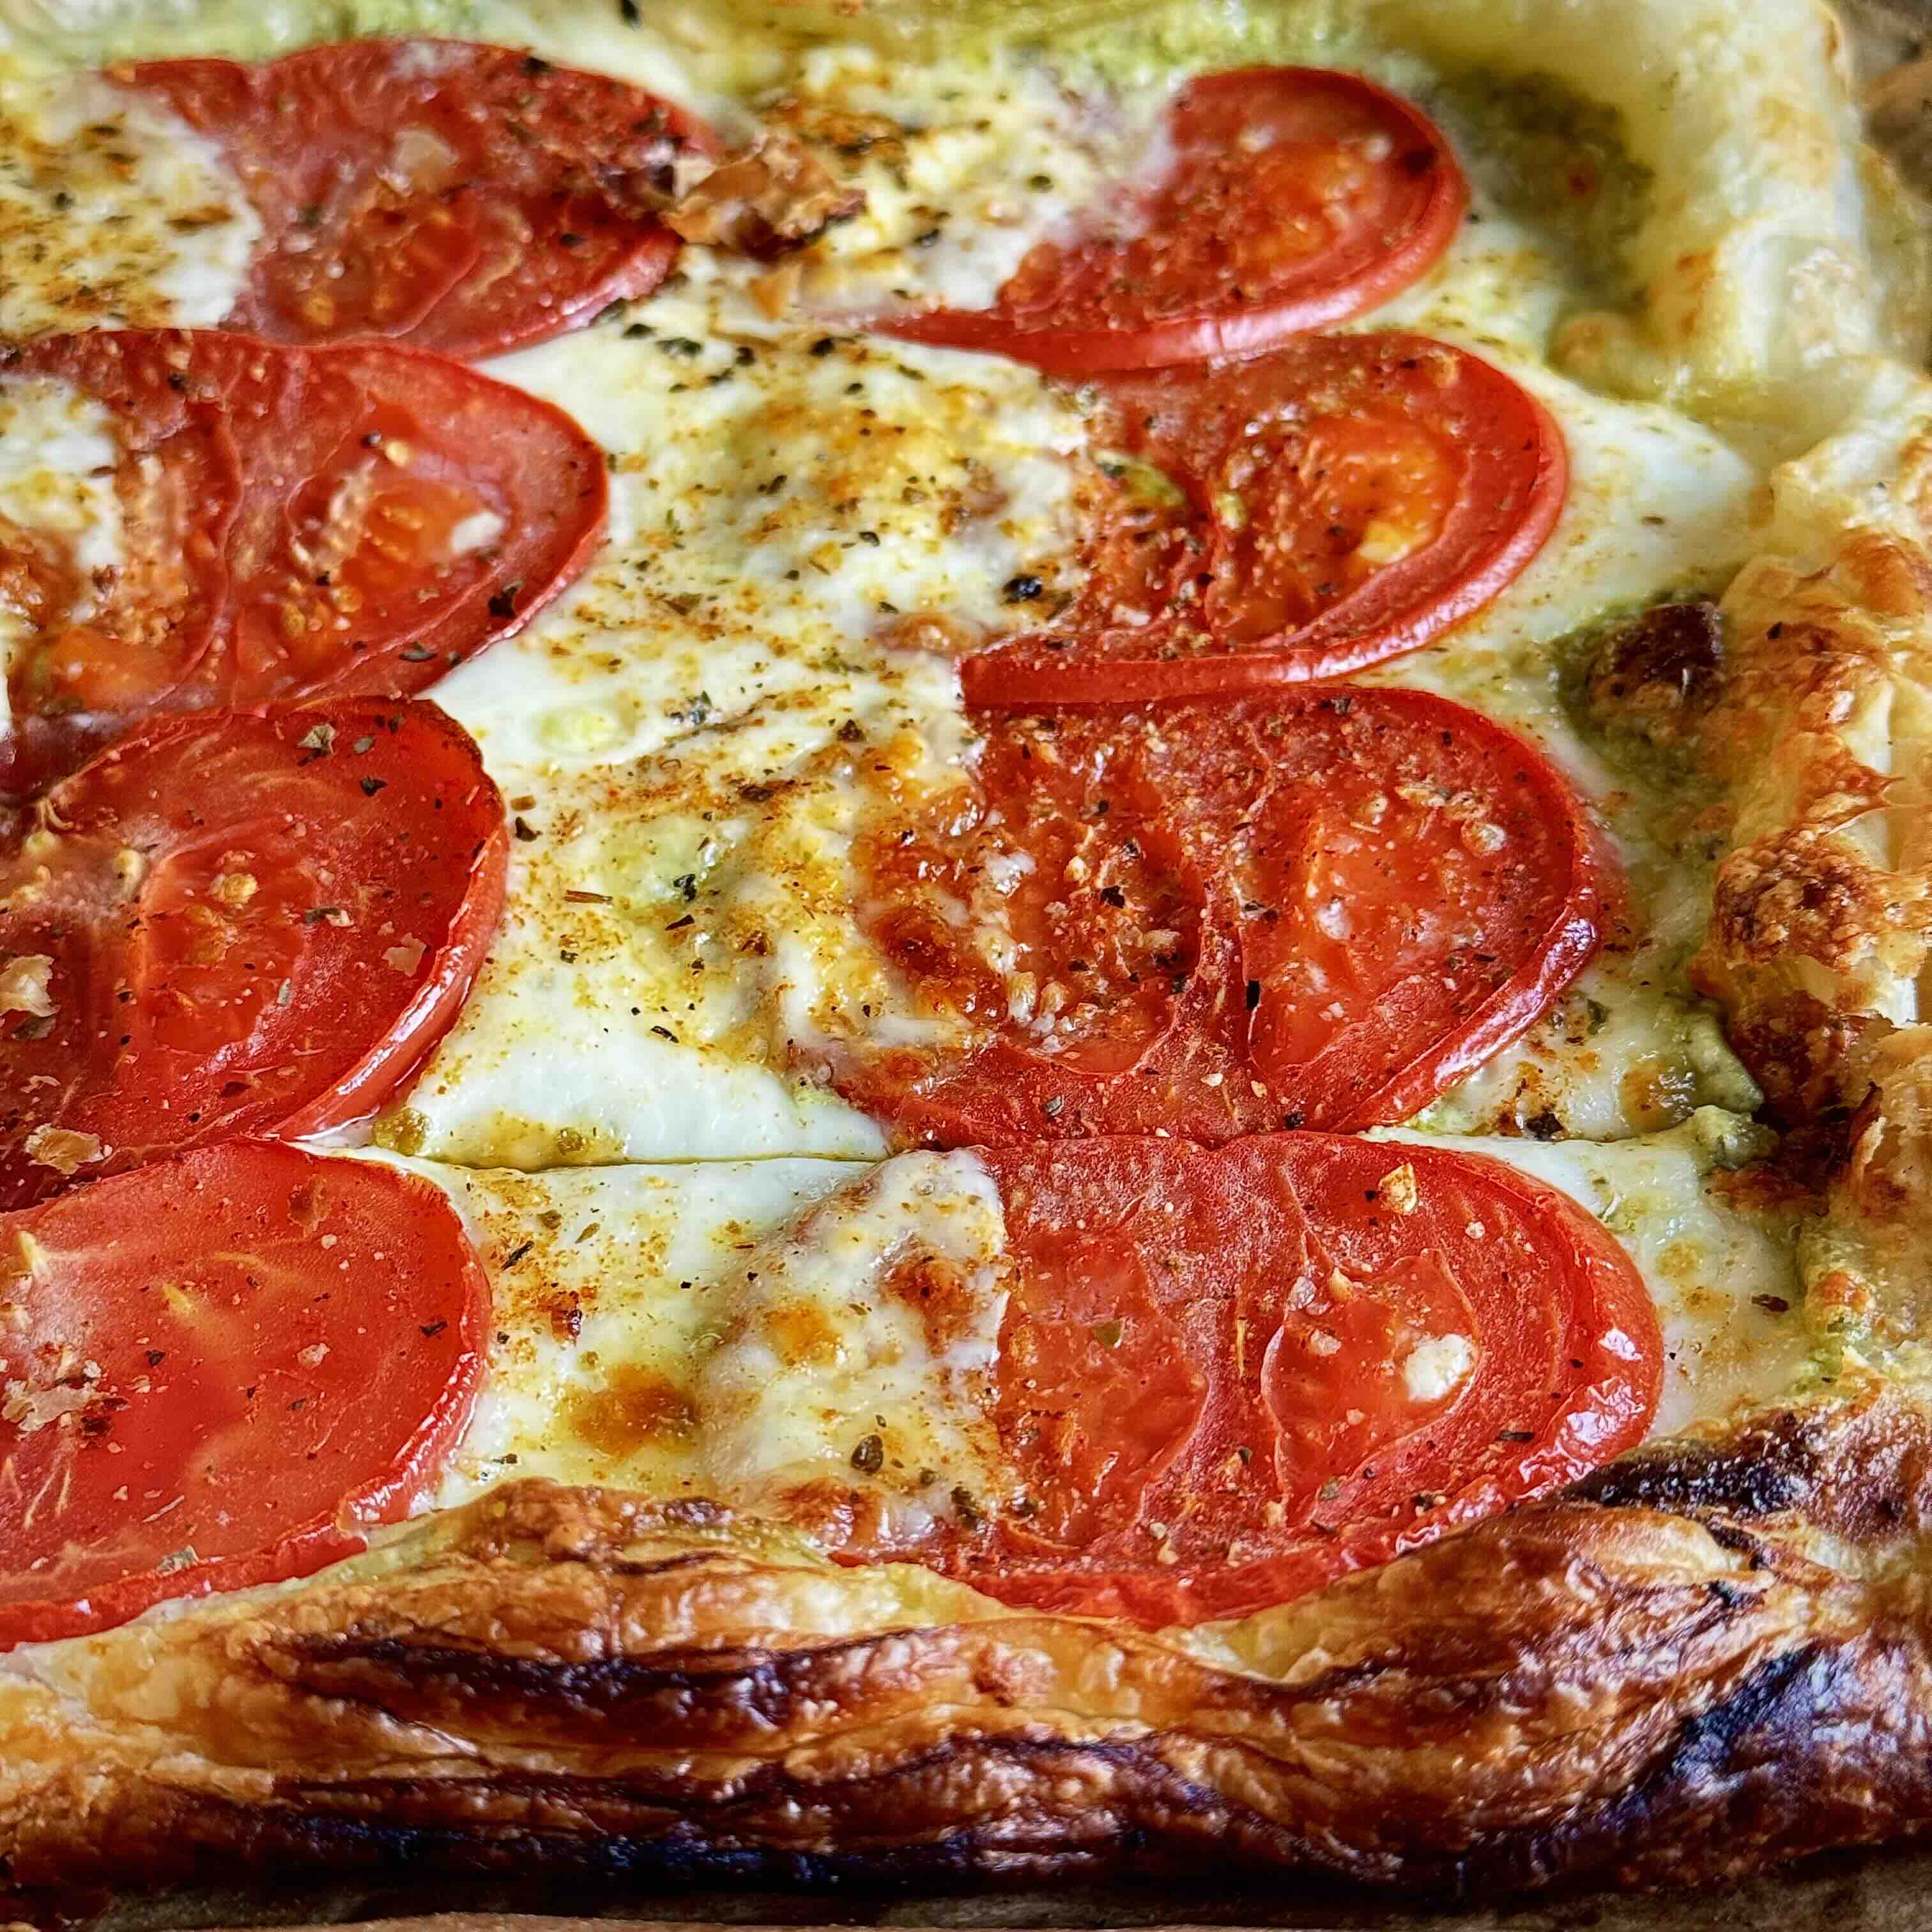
243, 466
1092, 308
536, 207
1360, 894
1173, 1471
250, 923
189, 1405
1217, 625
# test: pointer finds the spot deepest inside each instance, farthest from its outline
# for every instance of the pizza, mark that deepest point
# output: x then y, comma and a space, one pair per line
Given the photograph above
942, 942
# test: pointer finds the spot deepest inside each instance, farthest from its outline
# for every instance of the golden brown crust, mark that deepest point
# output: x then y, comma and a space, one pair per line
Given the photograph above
1821, 916
1710, 1655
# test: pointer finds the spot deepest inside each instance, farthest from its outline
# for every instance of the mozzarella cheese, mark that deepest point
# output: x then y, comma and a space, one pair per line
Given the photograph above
743, 576
961, 177
738, 1330
113, 211
733, 1330
785, 500
831, 1356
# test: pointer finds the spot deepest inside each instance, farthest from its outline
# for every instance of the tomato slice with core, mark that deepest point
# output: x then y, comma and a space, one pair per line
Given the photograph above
465, 198
1316, 908
1226, 1376
294, 522
219, 1372
237, 923
1341, 500
1291, 199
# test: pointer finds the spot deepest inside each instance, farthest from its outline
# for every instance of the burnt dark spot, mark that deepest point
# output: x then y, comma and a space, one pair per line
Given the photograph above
1756, 1475
1658, 673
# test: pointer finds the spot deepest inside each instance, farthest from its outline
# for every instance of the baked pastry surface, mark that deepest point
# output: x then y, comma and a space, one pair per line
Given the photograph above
1711, 1654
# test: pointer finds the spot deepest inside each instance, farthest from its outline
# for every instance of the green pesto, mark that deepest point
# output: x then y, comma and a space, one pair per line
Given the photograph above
1546, 155
1656, 771
1132, 45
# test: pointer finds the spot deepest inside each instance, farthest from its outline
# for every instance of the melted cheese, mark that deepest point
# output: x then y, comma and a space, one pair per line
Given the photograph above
784, 498
113, 211
730, 1329
737, 622
680, 940
686, 736
1722, 1276
788, 498
961, 177
605, 1281
819, 1370
57, 454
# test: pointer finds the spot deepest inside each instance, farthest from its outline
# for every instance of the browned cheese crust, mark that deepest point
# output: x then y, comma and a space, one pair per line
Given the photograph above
1820, 910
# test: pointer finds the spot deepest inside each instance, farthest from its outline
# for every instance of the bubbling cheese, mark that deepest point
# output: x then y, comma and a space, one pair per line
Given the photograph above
605, 1280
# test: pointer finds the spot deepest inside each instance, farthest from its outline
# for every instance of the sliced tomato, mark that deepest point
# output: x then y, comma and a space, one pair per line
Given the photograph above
465, 198
294, 522
1292, 199
237, 923
218, 1372
1312, 908
1337, 501
1227, 1376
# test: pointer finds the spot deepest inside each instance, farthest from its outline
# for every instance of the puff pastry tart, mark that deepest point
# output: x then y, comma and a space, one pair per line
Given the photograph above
944, 945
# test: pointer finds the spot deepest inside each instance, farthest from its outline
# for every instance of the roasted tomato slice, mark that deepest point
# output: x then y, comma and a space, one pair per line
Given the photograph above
1314, 908
1337, 501
218, 1372
1294, 198
1226, 1376
237, 923
465, 198
292, 523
